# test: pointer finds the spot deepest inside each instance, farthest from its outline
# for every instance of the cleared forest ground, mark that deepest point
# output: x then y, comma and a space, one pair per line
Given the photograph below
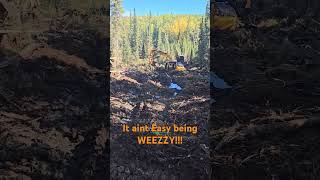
138, 97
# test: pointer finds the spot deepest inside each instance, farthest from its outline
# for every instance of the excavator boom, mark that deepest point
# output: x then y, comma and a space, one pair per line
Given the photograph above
154, 52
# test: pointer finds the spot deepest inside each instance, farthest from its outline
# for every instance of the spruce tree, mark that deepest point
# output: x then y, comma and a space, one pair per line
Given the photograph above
134, 36
155, 36
143, 51
202, 42
116, 10
140, 34
159, 39
126, 51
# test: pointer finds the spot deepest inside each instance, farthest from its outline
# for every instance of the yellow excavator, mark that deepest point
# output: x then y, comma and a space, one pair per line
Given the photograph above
225, 15
157, 57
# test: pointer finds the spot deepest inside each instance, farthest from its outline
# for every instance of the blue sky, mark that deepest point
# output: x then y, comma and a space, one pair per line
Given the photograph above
158, 7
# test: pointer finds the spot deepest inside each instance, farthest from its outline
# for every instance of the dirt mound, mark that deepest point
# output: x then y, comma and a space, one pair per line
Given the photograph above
53, 118
87, 44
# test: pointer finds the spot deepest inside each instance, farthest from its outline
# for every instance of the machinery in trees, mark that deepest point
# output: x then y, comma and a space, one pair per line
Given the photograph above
157, 57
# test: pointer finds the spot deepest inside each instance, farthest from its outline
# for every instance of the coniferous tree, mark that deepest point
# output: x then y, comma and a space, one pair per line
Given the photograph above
116, 10
166, 44
159, 39
134, 36
204, 38
207, 23
143, 51
155, 36
202, 42
126, 51
149, 42
186, 35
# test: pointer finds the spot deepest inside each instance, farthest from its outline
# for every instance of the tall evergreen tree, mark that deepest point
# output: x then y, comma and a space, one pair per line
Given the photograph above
134, 36
159, 39
166, 44
149, 43
116, 10
204, 38
175, 34
155, 36
143, 51
126, 51
207, 23
202, 42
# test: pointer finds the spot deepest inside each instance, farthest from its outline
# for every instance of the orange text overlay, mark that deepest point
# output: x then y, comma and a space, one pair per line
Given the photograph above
159, 139
162, 132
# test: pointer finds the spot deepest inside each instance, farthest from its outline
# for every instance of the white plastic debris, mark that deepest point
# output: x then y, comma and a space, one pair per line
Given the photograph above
175, 86
125, 121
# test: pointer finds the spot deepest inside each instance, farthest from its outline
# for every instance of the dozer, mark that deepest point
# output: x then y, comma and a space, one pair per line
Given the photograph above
225, 14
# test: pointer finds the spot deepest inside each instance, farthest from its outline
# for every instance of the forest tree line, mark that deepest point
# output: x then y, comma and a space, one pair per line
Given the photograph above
133, 37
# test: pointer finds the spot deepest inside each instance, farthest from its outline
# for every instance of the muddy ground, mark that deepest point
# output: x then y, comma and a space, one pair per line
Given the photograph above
54, 108
144, 97
267, 125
